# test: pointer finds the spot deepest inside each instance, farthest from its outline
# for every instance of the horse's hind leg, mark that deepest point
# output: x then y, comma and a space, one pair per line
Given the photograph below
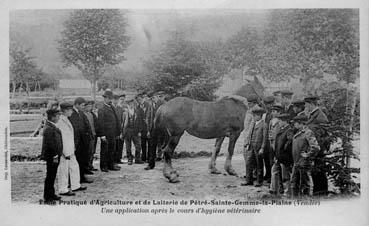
214, 155
168, 171
228, 164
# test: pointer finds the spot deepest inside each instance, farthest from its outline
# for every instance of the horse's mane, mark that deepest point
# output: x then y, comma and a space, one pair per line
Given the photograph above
236, 98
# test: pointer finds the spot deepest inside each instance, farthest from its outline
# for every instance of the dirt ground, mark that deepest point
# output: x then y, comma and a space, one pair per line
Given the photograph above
133, 182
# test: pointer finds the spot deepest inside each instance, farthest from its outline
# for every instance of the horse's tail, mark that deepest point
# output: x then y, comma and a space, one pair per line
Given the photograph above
160, 132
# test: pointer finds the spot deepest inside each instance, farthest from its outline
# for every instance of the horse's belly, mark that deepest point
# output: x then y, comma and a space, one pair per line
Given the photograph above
207, 133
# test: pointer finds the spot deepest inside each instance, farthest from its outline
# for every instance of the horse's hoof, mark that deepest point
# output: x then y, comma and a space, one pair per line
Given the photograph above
231, 172
174, 177
215, 171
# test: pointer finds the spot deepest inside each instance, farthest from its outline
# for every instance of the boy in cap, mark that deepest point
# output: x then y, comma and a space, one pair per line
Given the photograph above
304, 148
253, 149
68, 166
52, 149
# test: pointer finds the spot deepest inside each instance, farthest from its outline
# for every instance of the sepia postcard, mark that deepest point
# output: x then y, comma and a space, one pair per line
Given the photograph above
213, 112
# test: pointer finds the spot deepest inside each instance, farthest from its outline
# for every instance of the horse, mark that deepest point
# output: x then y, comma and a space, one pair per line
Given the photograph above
202, 119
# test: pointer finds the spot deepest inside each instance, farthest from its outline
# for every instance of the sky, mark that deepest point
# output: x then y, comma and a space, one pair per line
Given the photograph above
148, 29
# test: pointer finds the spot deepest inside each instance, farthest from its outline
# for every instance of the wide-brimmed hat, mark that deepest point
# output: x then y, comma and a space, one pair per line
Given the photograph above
79, 100
108, 94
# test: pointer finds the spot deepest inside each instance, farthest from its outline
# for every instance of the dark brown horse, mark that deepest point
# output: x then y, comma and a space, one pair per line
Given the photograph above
207, 120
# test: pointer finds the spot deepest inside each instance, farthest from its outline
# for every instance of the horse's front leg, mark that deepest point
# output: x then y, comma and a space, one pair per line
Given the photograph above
232, 142
168, 170
214, 155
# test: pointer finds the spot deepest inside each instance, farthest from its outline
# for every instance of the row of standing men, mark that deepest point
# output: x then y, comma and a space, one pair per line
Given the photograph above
71, 131
287, 139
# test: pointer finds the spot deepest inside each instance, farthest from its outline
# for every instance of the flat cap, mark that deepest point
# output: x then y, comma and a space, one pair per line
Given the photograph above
298, 102
160, 92
90, 102
52, 112
252, 99
300, 118
258, 110
310, 99
283, 116
66, 105
277, 107
277, 92
79, 100
269, 99
286, 92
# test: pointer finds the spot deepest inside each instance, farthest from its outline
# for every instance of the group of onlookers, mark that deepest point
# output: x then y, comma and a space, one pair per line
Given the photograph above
70, 134
286, 139
282, 146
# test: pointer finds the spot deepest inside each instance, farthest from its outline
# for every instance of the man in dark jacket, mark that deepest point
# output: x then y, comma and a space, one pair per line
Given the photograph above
317, 122
52, 149
132, 125
159, 99
108, 131
149, 119
282, 155
141, 111
119, 142
82, 138
267, 154
92, 119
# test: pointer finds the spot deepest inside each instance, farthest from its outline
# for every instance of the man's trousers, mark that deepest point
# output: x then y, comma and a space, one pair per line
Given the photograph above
119, 150
68, 168
254, 161
51, 170
107, 153
130, 137
301, 181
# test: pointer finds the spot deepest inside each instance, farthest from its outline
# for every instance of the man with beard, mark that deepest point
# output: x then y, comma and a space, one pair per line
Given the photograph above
108, 131
82, 138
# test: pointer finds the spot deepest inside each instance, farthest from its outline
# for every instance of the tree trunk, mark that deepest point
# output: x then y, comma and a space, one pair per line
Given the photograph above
94, 87
14, 89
